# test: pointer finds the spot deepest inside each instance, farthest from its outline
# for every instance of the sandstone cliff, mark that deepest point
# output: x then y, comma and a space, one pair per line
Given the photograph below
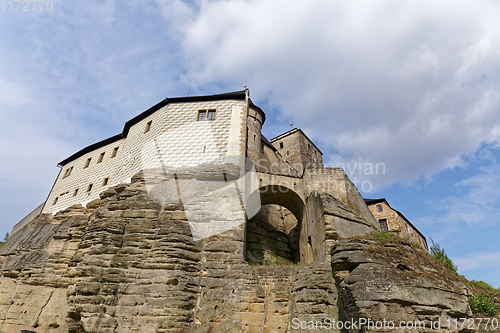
126, 263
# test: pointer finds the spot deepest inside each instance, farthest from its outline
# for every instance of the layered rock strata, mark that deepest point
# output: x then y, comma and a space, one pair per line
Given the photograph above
127, 263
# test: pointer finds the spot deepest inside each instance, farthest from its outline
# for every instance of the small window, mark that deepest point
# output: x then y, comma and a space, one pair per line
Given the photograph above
89, 188
379, 208
202, 114
55, 201
211, 114
87, 163
287, 152
281, 145
308, 146
105, 181
262, 149
75, 192
115, 151
383, 224
254, 137
101, 157
68, 172
148, 126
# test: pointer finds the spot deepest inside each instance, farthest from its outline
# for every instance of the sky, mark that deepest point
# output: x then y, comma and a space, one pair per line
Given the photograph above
410, 86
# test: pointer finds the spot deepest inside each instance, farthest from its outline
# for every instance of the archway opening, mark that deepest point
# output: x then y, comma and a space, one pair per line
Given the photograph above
273, 234
273, 237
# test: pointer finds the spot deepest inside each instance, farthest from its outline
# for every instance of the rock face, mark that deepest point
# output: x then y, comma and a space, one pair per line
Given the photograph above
126, 263
397, 282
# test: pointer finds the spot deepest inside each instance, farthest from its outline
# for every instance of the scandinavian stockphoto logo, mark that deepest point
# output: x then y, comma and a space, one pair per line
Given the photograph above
187, 170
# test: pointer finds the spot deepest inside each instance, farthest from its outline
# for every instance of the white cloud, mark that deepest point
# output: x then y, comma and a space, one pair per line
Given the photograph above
476, 200
478, 260
413, 85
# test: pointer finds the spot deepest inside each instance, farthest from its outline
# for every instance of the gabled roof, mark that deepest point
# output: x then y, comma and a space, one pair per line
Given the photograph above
237, 95
375, 201
267, 143
370, 202
292, 131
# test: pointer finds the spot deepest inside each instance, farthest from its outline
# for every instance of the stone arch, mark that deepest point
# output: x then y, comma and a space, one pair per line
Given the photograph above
289, 199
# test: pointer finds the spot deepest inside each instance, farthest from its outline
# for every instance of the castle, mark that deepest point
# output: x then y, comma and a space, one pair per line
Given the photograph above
185, 132
190, 220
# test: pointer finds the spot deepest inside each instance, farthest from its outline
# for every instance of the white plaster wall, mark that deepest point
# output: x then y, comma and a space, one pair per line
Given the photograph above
175, 138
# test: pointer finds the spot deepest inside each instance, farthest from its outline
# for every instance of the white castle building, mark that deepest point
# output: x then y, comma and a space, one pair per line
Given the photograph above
192, 129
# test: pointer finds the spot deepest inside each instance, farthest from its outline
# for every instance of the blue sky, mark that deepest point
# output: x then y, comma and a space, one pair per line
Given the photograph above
412, 85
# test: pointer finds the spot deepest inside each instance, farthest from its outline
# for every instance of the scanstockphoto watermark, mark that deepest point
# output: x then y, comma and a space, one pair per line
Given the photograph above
330, 323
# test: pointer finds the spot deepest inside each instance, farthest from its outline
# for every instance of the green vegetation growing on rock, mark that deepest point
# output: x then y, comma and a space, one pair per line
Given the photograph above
486, 299
483, 303
441, 257
385, 237
4, 239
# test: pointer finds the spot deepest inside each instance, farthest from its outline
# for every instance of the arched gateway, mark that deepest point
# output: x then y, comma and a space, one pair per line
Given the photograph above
276, 234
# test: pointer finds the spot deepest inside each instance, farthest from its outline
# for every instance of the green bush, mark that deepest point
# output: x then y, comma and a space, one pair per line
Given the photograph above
484, 304
440, 256
4, 239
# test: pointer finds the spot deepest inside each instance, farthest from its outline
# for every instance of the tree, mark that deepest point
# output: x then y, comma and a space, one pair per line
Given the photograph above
440, 256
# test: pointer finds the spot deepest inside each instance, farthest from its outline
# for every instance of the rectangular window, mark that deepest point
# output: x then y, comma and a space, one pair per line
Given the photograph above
148, 126
76, 192
115, 151
379, 208
99, 160
89, 188
211, 114
87, 163
202, 114
281, 145
105, 181
383, 224
68, 172
55, 201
